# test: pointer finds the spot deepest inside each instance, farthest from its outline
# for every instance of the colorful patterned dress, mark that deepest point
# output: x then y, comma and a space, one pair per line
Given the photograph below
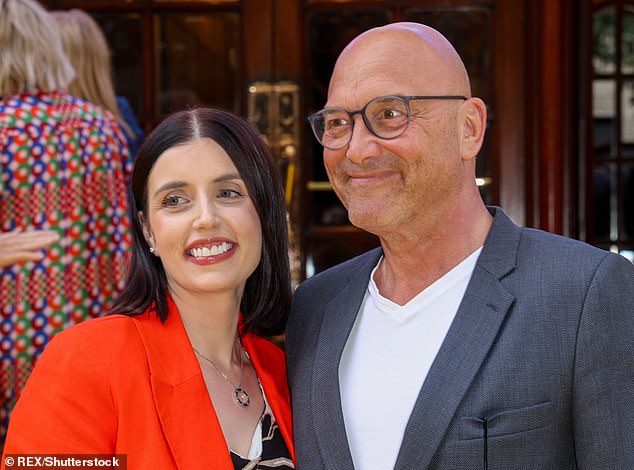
63, 167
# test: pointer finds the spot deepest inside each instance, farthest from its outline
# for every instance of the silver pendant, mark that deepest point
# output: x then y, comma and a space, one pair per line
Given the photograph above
242, 397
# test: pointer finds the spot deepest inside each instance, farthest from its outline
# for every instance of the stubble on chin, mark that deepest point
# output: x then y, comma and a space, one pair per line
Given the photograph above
370, 215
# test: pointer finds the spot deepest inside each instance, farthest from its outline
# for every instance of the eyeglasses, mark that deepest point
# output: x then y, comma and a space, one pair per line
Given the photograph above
386, 117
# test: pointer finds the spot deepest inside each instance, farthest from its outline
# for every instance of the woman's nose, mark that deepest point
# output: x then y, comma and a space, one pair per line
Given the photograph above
206, 216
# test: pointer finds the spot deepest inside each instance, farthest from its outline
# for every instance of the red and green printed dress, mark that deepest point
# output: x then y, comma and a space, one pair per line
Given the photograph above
63, 164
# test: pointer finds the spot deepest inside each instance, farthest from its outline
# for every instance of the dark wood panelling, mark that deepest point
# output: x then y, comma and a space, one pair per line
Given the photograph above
513, 100
258, 37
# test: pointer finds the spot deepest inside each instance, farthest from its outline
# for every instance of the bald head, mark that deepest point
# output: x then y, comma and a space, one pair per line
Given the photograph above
410, 55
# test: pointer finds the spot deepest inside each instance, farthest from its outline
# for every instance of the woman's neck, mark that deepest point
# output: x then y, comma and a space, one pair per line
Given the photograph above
211, 323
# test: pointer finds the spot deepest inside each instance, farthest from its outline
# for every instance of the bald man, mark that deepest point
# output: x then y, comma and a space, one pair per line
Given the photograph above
464, 341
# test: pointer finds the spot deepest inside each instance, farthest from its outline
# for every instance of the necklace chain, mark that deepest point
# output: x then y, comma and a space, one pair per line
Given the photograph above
239, 394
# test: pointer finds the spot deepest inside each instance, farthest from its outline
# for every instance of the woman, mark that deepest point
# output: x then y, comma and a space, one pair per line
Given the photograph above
89, 54
181, 376
62, 168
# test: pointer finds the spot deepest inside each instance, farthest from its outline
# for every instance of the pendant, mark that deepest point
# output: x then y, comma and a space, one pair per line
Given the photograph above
241, 395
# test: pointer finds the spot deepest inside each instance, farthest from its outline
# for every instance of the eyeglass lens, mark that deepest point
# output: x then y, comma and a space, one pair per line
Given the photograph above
386, 117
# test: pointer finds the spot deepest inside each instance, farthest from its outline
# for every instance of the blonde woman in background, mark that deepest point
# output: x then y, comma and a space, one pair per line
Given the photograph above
62, 168
89, 54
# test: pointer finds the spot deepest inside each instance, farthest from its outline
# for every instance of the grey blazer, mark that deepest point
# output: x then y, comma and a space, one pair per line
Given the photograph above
536, 371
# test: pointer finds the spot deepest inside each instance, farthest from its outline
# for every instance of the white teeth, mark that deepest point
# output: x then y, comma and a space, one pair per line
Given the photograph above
215, 250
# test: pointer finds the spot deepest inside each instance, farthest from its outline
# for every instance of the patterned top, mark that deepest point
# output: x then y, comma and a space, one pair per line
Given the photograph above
274, 453
63, 167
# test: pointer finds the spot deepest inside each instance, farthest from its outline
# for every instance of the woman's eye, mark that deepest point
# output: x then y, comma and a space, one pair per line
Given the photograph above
229, 193
173, 201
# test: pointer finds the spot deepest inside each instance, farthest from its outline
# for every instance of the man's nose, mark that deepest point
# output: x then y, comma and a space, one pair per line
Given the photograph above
363, 143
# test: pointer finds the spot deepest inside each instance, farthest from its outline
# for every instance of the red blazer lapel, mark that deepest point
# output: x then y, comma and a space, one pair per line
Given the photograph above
270, 365
187, 416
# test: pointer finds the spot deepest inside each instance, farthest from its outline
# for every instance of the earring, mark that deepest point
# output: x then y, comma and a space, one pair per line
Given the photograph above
152, 250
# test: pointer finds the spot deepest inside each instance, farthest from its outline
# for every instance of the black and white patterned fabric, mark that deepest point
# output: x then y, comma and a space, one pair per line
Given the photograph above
274, 455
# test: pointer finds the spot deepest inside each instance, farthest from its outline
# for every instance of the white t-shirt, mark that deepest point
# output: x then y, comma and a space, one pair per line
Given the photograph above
386, 360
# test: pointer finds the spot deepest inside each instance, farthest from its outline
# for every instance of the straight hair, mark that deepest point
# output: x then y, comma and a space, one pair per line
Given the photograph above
89, 54
32, 57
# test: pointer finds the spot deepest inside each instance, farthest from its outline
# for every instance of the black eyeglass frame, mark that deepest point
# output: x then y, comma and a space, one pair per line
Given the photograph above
361, 111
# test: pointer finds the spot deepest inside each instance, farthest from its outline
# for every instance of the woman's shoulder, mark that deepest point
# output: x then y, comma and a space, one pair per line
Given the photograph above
111, 322
110, 333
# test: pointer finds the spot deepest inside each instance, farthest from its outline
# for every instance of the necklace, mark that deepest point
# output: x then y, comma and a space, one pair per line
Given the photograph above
241, 396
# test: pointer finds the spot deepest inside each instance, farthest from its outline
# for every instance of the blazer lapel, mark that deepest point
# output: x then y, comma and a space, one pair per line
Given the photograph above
338, 319
191, 427
471, 335
271, 372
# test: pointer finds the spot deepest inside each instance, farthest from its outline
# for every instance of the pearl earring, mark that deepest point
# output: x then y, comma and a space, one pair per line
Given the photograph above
152, 250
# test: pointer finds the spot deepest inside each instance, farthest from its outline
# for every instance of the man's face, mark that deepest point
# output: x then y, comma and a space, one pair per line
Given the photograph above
386, 184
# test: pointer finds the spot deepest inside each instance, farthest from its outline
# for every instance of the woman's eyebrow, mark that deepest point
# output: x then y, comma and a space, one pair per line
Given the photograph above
179, 184
170, 185
227, 177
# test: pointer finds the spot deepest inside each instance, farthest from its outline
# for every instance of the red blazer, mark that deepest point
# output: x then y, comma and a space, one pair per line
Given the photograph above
132, 385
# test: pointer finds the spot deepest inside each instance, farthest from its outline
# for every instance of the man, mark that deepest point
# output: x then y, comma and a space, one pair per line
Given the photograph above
464, 341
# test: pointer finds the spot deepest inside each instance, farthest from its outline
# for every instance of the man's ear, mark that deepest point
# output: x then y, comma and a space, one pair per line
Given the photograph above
473, 118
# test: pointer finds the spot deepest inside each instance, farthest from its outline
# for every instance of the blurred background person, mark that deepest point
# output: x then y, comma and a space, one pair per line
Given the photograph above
87, 49
63, 168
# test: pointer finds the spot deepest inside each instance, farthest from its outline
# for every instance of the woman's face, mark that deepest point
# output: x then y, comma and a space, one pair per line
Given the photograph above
201, 220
